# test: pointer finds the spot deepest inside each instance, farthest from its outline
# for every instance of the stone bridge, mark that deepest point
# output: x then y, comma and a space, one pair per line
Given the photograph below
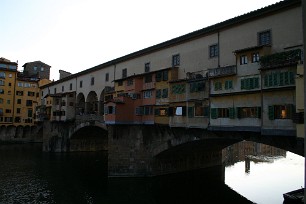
145, 150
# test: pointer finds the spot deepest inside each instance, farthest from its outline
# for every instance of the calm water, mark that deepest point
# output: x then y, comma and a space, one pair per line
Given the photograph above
29, 176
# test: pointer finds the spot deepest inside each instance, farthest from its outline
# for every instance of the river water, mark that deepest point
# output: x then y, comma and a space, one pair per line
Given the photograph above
252, 173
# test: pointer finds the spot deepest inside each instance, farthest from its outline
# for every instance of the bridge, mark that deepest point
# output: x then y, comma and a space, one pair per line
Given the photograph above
146, 150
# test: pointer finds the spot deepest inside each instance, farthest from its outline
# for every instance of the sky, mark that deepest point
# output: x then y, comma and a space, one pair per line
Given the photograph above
74, 35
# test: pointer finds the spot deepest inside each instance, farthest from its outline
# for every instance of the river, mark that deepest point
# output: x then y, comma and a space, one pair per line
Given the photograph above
251, 173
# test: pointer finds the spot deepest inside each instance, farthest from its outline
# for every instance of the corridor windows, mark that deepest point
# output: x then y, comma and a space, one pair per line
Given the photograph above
92, 81
54, 90
124, 73
213, 51
249, 83
147, 67
255, 57
109, 110
280, 111
243, 59
176, 60
264, 38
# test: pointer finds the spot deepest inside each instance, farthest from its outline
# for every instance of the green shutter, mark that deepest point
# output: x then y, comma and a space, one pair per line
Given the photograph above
275, 79
281, 79
266, 81
165, 75
258, 112
247, 84
214, 113
291, 78
286, 78
231, 113
271, 112
256, 82
270, 83
230, 84
190, 112
242, 84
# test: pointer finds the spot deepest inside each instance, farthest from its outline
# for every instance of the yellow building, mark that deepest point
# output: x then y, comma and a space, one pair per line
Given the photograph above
8, 74
26, 93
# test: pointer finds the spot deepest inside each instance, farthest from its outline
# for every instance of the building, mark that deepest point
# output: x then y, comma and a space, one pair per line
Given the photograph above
8, 75
36, 69
237, 75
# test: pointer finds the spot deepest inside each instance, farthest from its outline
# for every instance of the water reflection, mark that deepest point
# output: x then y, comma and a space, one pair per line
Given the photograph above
250, 172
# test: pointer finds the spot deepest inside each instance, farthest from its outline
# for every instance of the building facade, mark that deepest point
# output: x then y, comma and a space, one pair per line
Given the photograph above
36, 69
237, 75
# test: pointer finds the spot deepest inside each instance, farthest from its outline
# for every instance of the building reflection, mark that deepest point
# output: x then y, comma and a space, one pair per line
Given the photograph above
250, 151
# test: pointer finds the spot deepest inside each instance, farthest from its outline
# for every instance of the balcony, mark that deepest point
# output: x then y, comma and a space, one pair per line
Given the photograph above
281, 59
222, 71
196, 75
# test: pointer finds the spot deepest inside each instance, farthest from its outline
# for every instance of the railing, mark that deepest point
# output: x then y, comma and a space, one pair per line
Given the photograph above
222, 71
281, 59
196, 75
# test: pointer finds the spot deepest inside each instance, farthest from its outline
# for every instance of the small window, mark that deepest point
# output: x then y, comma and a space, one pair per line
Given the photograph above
255, 57
63, 88
243, 59
213, 51
1, 91
264, 38
42, 69
2, 75
2, 83
106, 76
54, 90
147, 67
35, 68
8, 101
147, 94
92, 81
218, 86
10, 75
1, 100
18, 110
81, 84
70, 86
129, 82
124, 73
19, 84
18, 101
176, 60
228, 84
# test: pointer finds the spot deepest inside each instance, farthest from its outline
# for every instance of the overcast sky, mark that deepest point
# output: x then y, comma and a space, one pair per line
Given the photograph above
74, 35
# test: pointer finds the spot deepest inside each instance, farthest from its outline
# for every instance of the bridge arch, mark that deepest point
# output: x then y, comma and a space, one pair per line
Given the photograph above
89, 137
80, 107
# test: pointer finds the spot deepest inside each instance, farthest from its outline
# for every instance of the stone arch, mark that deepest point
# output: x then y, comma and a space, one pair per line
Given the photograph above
10, 132
27, 132
80, 104
19, 132
89, 138
2, 132
92, 103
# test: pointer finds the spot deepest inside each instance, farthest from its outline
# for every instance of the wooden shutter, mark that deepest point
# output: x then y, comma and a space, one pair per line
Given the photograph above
214, 113
271, 112
231, 112
190, 112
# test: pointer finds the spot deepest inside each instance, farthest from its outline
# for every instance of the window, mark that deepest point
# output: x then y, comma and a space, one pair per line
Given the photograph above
178, 88
81, 84
35, 68
280, 111
197, 86
250, 83
120, 83
198, 109
148, 78
147, 94
54, 90
27, 85
213, 51
124, 73
19, 84
279, 79
2, 75
42, 69
10, 75
248, 112
8, 119
180, 111
129, 82
30, 93
220, 113
243, 59
1, 91
2, 83
109, 110
18, 110
176, 60
255, 57
139, 110
1, 100
10, 84
106, 76
63, 103
29, 103
228, 84
30, 113
18, 101
264, 38
70, 86
1, 111
92, 81
148, 110
161, 112
147, 67
9, 92
165, 93
8, 111
8, 101
218, 86
158, 93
